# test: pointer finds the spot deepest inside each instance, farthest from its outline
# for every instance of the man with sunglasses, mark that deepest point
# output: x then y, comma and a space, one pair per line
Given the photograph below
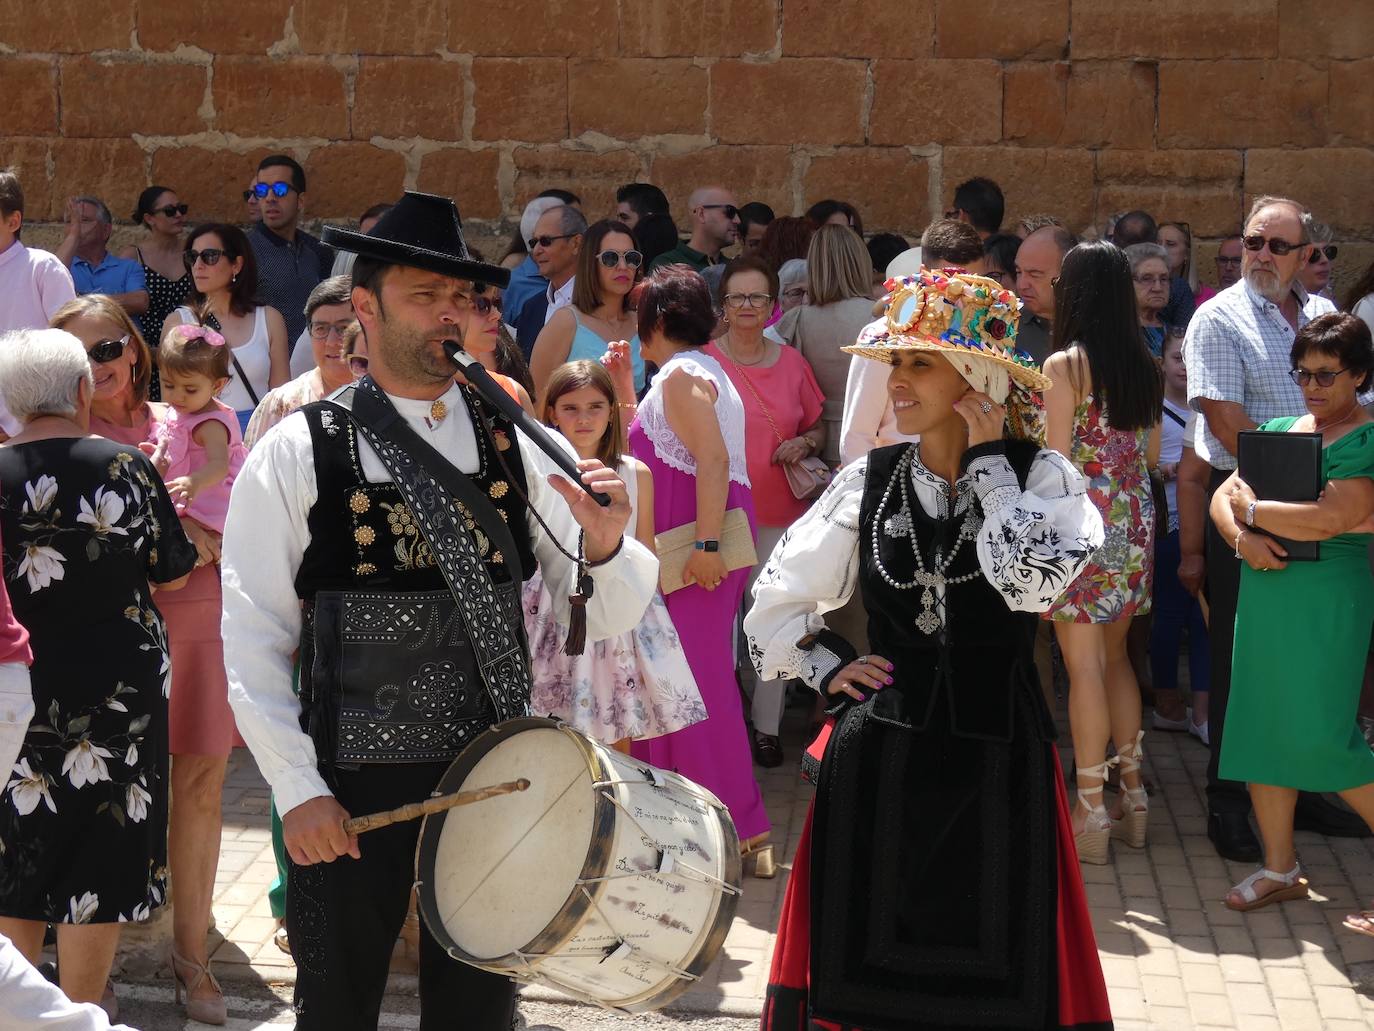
715, 225
1237, 353
291, 262
554, 245
84, 249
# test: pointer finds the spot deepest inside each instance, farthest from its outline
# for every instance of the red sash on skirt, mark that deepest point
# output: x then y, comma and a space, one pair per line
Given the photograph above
1081, 991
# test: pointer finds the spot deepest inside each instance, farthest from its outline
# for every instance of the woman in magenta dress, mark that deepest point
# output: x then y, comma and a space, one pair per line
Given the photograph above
689, 431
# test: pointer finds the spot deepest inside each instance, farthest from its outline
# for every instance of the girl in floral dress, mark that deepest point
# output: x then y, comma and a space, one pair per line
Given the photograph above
1103, 414
88, 529
631, 687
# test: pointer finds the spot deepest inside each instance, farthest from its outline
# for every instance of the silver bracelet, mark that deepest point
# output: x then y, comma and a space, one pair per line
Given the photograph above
1250, 513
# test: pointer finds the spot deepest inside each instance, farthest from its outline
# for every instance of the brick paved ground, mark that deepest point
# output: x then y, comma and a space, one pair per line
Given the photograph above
1173, 955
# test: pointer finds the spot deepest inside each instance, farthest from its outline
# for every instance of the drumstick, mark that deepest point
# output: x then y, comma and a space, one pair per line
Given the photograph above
413, 811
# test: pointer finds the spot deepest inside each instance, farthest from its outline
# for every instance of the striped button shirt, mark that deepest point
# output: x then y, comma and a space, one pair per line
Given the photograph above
1237, 349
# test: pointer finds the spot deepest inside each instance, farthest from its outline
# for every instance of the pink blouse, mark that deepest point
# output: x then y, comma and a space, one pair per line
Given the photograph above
793, 399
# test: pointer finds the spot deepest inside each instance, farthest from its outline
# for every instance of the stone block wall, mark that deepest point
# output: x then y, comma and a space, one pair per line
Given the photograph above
1079, 107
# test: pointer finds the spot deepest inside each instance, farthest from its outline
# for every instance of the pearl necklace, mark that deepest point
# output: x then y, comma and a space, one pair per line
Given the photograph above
901, 524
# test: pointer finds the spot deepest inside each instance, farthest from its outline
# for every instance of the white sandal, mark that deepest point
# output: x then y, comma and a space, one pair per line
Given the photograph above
1294, 887
1094, 839
1135, 803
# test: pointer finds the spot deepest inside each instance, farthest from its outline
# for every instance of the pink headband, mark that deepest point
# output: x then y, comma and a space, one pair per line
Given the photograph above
201, 333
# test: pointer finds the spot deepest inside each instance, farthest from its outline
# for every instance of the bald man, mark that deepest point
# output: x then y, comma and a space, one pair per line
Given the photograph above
714, 218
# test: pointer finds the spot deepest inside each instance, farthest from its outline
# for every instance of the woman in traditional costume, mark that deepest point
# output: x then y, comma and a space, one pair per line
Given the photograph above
936, 883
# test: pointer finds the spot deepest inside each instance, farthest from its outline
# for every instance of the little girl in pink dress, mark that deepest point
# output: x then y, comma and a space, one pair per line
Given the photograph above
198, 448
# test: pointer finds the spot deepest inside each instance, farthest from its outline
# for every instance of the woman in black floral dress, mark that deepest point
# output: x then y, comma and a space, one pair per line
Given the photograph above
87, 528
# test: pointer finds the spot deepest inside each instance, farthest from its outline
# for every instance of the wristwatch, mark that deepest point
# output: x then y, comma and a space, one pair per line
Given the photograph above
1250, 513
706, 545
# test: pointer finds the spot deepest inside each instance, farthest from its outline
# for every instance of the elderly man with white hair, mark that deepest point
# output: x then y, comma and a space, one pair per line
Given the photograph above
88, 530
525, 279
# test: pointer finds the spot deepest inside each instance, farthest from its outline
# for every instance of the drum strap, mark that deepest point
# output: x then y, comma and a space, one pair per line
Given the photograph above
431, 486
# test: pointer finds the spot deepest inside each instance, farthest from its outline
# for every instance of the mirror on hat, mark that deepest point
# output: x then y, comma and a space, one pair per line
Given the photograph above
904, 310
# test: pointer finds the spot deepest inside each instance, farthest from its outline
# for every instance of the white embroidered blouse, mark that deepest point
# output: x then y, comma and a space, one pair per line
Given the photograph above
668, 446
1032, 544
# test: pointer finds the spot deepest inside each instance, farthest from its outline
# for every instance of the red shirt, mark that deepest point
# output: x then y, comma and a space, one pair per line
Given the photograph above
14, 639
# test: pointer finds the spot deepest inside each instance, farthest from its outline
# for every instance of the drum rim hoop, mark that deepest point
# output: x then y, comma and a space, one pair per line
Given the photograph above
565, 922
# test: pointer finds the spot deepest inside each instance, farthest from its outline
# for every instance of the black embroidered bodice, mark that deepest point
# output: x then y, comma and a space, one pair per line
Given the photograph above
982, 654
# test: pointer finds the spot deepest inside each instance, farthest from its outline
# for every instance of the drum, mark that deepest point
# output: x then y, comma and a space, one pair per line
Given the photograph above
609, 880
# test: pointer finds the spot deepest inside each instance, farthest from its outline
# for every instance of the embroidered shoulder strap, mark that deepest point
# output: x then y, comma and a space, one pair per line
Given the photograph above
431, 487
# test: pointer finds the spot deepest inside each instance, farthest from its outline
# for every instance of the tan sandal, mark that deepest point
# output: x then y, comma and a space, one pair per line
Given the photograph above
1135, 802
207, 1011
1294, 888
757, 859
1365, 915
1093, 841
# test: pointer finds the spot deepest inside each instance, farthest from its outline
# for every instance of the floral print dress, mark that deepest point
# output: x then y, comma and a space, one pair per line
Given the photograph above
637, 685
87, 525
1116, 582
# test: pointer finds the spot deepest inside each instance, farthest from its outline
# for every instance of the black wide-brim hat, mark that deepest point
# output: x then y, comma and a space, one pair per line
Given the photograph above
421, 231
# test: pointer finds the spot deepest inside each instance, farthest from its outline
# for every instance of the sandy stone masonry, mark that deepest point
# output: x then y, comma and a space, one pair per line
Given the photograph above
1082, 107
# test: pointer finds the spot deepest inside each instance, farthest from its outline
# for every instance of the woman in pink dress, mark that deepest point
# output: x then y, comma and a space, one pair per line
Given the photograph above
782, 425
689, 431
200, 723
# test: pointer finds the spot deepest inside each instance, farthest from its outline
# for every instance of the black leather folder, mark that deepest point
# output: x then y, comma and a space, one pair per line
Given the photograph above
1283, 467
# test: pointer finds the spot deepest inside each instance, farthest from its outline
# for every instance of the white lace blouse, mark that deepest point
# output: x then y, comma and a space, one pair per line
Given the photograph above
668, 446
1031, 545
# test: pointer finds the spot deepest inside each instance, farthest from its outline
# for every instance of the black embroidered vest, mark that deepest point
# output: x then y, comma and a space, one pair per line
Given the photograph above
364, 538
984, 652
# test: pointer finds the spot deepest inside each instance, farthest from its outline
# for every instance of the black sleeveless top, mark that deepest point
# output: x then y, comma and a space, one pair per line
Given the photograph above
982, 655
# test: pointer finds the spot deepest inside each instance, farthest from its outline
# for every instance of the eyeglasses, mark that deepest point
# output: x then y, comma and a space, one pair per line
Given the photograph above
611, 259
1324, 379
484, 305
731, 212
323, 330
357, 364
1328, 252
277, 189
103, 351
172, 210
1229, 262
752, 300
795, 293
1278, 247
547, 241
1152, 280
210, 256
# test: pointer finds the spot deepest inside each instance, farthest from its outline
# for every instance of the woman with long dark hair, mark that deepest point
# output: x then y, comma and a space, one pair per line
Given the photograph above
224, 287
608, 267
161, 212
1103, 414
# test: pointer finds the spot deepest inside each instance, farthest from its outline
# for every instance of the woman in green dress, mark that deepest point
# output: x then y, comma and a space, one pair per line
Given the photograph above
1302, 628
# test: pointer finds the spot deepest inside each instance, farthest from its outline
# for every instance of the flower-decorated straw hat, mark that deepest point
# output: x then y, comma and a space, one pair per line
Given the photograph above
972, 320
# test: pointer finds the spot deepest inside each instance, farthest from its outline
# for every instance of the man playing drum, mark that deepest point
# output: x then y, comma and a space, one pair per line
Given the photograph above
384, 532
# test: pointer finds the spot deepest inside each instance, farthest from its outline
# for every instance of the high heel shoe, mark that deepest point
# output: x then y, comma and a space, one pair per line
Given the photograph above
1093, 841
207, 1011
757, 860
1135, 803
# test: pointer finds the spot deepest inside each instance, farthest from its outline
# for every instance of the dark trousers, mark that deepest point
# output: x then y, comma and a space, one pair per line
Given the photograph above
1174, 611
343, 919
1223, 589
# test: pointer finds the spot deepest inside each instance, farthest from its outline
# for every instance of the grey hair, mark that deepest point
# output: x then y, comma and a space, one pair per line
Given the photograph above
1139, 253
41, 369
534, 210
1267, 201
570, 220
100, 209
334, 290
792, 271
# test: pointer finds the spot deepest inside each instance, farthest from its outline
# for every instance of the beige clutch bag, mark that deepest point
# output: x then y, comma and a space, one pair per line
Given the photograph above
675, 547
